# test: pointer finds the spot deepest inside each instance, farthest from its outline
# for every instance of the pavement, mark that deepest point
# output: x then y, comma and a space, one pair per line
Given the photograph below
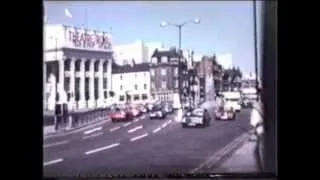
142, 146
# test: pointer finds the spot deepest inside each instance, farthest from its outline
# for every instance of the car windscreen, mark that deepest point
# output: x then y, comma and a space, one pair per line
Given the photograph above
156, 108
232, 99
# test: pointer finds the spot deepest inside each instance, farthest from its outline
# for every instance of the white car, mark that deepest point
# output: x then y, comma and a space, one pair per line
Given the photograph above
196, 117
233, 103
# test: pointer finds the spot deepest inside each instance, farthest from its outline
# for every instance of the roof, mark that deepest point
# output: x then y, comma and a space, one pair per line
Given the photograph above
141, 67
167, 53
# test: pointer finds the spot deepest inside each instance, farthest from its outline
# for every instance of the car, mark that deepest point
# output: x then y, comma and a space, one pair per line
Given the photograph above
225, 113
121, 115
196, 117
157, 111
168, 107
232, 100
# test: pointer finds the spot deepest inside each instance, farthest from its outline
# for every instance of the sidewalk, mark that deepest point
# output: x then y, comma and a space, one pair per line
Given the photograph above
242, 160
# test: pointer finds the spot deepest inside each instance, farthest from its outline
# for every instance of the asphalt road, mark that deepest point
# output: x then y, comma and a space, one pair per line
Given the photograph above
142, 146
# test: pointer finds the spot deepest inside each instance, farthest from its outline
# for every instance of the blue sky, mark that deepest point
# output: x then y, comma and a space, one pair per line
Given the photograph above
226, 26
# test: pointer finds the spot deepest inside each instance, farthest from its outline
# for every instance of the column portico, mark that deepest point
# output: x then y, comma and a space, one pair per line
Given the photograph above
82, 101
72, 84
100, 102
91, 101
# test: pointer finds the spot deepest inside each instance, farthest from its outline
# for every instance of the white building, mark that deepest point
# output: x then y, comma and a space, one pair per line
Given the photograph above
125, 53
225, 60
131, 83
78, 62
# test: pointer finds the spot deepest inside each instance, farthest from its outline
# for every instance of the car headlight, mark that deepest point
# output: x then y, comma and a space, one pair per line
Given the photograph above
188, 113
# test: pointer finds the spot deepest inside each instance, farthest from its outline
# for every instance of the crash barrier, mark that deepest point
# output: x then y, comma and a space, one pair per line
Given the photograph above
85, 117
74, 119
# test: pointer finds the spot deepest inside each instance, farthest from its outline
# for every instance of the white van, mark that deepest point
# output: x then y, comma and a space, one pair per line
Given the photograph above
232, 100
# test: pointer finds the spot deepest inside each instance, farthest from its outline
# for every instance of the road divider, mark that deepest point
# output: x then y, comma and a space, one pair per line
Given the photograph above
135, 129
102, 148
93, 130
114, 129
156, 130
55, 144
139, 137
52, 162
127, 124
92, 135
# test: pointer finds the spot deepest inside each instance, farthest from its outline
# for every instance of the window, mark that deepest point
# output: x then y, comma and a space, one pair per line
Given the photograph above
163, 71
144, 96
136, 97
105, 94
164, 59
145, 86
105, 83
136, 87
120, 77
121, 98
152, 72
164, 84
176, 71
121, 88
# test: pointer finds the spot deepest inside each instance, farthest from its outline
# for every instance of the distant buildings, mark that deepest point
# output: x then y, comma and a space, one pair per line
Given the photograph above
205, 72
131, 83
225, 60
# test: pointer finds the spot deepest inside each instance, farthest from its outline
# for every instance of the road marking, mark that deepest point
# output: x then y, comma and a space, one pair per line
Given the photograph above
138, 137
170, 121
55, 144
102, 148
52, 162
93, 130
108, 120
92, 135
134, 129
136, 120
126, 124
220, 153
164, 125
115, 128
156, 130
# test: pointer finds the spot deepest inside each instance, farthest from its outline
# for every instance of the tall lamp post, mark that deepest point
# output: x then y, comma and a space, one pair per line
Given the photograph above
179, 26
255, 44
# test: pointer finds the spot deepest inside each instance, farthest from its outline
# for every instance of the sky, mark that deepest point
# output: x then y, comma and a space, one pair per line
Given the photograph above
225, 26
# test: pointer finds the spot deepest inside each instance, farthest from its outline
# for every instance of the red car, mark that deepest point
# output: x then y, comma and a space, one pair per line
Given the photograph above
121, 115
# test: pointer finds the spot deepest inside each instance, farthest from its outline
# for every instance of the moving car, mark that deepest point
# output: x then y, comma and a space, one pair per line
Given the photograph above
168, 107
196, 117
232, 100
225, 113
121, 115
157, 111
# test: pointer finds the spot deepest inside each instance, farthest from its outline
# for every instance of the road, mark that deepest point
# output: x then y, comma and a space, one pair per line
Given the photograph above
142, 146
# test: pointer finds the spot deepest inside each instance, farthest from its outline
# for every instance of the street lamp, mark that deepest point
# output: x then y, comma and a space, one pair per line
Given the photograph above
179, 26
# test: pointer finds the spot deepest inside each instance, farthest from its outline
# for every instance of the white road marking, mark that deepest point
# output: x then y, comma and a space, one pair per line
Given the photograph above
55, 144
92, 135
115, 128
126, 124
136, 120
134, 129
138, 137
102, 148
156, 130
52, 162
170, 121
164, 125
108, 120
93, 130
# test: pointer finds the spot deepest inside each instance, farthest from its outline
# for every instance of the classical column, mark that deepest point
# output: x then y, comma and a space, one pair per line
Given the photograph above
82, 100
100, 102
61, 90
91, 101
72, 84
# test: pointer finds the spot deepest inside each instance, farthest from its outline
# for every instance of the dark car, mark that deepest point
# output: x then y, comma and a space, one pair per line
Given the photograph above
157, 111
121, 115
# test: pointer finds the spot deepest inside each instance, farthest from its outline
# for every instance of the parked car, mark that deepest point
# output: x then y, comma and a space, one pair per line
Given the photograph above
121, 115
157, 111
135, 110
196, 117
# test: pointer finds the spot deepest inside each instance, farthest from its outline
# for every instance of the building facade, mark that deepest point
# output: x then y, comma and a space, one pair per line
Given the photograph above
131, 83
167, 82
77, 67
138, 51
205, 72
